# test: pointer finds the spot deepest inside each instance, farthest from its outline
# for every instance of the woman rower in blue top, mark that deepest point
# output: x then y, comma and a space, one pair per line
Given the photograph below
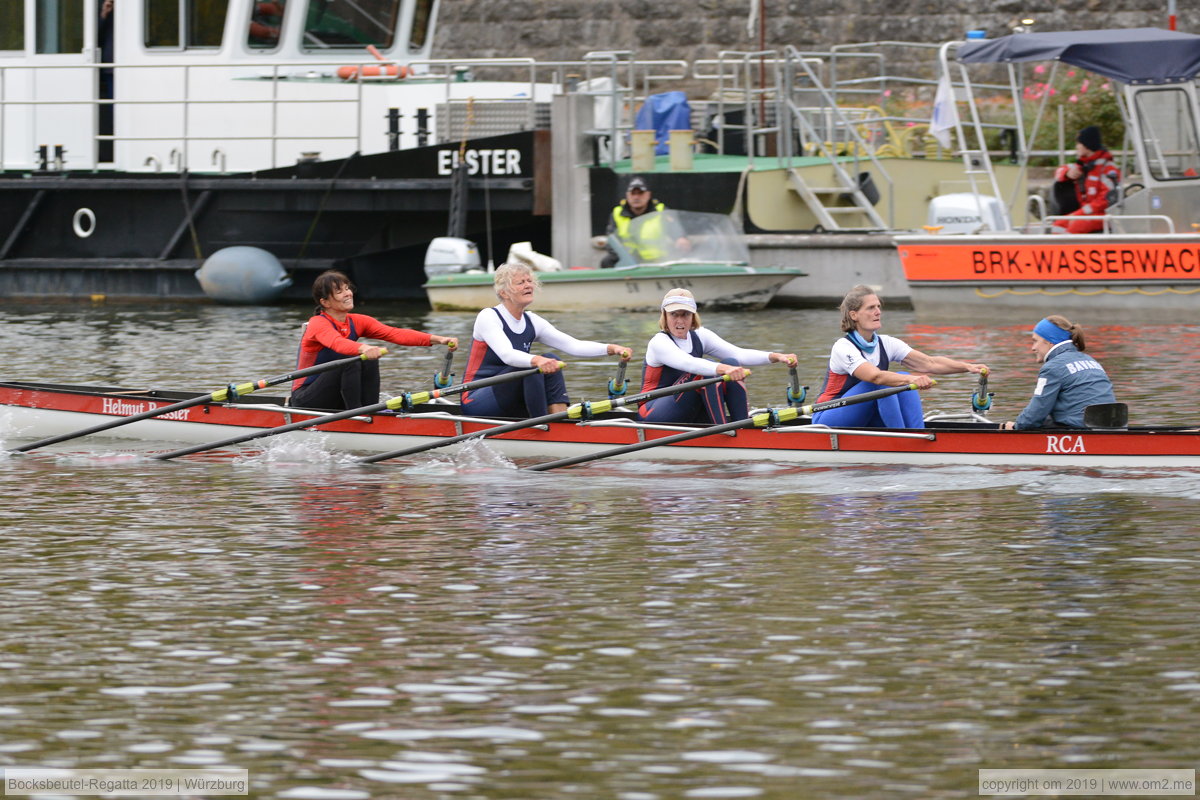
502, 341
1068, 381
859, 362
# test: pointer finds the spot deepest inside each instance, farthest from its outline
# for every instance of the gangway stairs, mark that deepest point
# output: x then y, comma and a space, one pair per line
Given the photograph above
841, 207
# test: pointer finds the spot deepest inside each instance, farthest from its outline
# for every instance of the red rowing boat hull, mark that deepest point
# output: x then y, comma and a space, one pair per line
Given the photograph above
29, 411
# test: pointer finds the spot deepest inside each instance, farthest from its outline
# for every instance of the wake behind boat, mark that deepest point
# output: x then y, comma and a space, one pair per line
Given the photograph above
34, 410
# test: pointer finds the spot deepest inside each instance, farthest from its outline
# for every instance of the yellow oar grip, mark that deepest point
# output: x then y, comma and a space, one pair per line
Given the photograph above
598, 407
221, 395
776, 415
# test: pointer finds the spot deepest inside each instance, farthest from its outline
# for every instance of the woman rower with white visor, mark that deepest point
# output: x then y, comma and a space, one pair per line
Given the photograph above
676, 354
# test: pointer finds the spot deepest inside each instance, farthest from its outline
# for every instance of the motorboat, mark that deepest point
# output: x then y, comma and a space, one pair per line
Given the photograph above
702, 252
982, 248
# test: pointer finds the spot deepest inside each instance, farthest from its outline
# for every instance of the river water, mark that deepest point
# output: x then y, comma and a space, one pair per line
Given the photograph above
449, 627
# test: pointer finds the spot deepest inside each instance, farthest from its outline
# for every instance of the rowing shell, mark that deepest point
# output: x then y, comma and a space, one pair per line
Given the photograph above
32, 410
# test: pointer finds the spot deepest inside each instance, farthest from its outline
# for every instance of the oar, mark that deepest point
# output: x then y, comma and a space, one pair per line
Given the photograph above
230, 392
577, 411
762, 419
404, 401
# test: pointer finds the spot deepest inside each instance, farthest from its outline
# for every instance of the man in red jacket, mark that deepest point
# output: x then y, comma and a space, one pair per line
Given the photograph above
1096, 179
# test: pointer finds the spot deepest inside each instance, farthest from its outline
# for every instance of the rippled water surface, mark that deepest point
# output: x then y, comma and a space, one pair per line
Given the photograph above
449, 627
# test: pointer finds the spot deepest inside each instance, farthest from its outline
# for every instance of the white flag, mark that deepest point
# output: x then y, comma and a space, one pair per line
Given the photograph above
752, 19
945, 115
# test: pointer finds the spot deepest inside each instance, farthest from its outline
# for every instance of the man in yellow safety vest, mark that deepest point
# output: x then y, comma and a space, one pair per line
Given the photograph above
650, 242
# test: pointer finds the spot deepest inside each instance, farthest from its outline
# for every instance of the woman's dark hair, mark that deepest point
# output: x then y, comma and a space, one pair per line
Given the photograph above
328, 284
1071, 328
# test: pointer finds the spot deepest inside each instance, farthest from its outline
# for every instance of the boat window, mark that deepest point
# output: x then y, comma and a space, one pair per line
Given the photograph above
59, 26
422, 16
206, 22
350, 24
202, 28
266, 17
12, 24
1168, 132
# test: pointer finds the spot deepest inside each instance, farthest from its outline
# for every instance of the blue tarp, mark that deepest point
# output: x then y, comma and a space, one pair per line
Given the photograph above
663, 113
1134, 55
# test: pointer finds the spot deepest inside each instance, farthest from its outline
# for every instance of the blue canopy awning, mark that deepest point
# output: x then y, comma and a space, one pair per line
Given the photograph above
1134, 55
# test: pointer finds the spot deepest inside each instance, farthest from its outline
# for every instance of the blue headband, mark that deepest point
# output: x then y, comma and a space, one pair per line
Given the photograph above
1051, 332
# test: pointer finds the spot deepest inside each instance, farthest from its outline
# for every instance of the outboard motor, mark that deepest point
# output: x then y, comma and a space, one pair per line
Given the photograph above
960, 213
449, 254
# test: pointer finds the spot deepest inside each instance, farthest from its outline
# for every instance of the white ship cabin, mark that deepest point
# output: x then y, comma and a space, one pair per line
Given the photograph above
218, 85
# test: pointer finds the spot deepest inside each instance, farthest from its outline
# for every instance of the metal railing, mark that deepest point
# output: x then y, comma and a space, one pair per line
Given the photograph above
194, 95
787, 101
1110, 220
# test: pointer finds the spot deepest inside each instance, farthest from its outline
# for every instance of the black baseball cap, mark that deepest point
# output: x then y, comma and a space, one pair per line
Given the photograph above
636, 184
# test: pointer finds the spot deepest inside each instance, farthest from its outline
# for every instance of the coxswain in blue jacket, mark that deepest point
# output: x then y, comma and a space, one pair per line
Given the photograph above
1068, 382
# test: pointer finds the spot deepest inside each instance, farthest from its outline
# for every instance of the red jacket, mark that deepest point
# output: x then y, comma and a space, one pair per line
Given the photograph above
1098, 188
323, 333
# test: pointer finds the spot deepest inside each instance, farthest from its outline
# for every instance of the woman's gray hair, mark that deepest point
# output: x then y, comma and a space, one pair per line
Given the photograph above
853, 301
505, 273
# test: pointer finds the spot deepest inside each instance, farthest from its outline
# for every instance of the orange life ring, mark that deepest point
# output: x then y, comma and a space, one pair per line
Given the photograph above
372, 71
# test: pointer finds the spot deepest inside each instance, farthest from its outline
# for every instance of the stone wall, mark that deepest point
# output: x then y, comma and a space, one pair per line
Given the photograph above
566, 29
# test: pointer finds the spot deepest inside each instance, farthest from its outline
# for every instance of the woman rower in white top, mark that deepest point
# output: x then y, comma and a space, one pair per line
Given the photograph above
676, 355
859, 361
502, 341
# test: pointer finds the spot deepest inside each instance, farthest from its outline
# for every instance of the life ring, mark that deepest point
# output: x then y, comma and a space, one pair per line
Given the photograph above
373, 71
80, 215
